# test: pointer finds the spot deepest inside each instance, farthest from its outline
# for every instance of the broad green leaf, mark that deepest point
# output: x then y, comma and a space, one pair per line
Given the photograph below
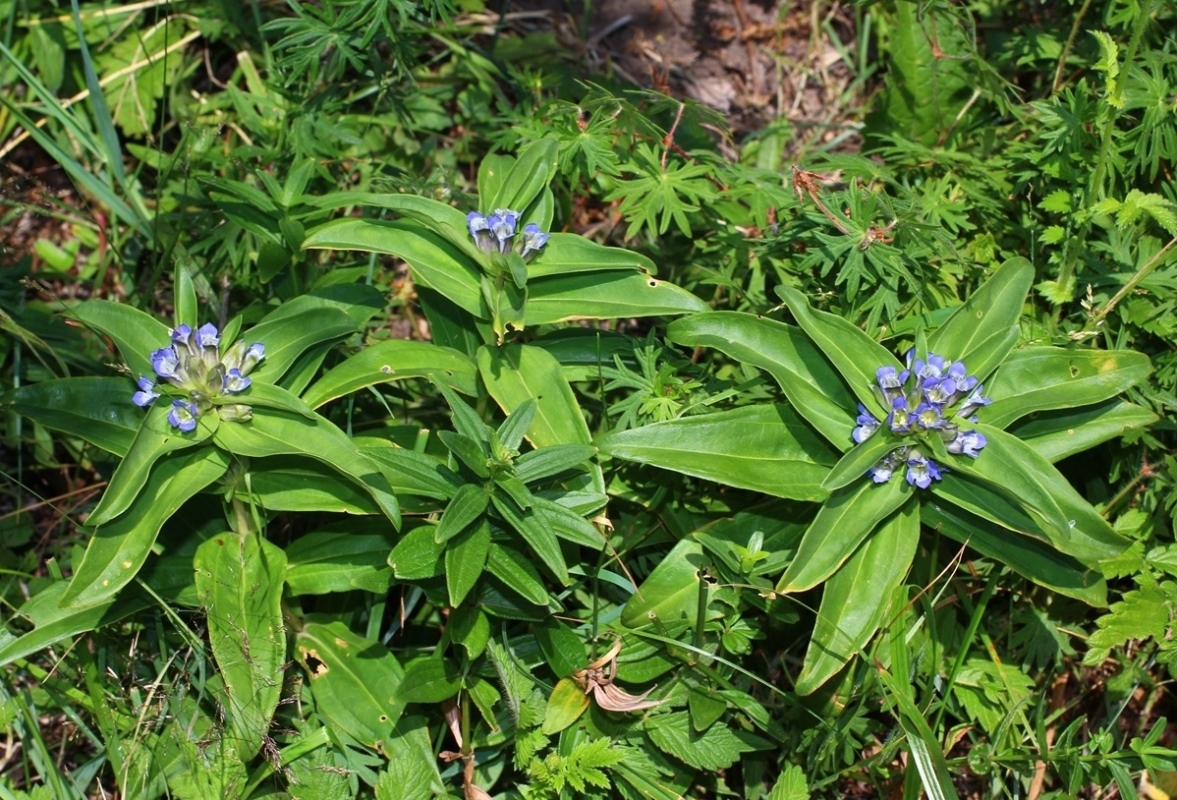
715, 749
671, 592
239, 583
450, 326
430, 680
854, 465
1054, 435
814, 388
53, 623
535, 531
357, 682
469, 628
417, 555
156, 438
984, 329
565, 706
854, 354
288, 336
412, 772
267, 395
288, 483
562, 648
567, 524
326, 561
98, 410
272, 433
1044, 378
465, 557
466, 420
134, 332
468, 451
410, 472
515, 374
516, 424
567, 253
1028, 478
393, 360
517, 572
854, 601
848, 517
531, 173
492, 176
548, 462
605, 296
438, 217
1025, 555
766, 448
435, 262
467, 505
186, 310
117, 550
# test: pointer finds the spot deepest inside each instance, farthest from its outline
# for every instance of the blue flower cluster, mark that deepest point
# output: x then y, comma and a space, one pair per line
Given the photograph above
942, 393
194, 364
497, 233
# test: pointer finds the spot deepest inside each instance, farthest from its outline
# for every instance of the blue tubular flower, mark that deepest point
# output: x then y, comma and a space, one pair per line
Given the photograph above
934, 367
533, 240
973, 402
146, 393
939, 390
899, 420
967, 442
183, 416
502, 227
891, 382
166, 363
882, 471
480, 230
921, 471
234, 382
182, 335
866, 425
928, 417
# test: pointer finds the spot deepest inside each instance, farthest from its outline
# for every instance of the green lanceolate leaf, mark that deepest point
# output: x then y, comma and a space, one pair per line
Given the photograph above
98, 410
854, 465
671, 592
1025, 555
855, 599
517, 572
516, 424
287, 336
548, 462
465, 556
239, 583
567, 253
565, 706
536, 533
562, 648
467, 505
1054, 435
417, 555
765, 448
468, 451
561, 298
133, 332
326, 561
410, 472
394, 360
985, 328
356, 682
466, 419
430, 680
438, 217
922, 743
1070, 522
156, 438
813, 387
515, 374
567, 524
289, 483
272, 432
1043, 378
530, 174
435, 262
854, 354
841, 525
412, 772
117, 550
267, 395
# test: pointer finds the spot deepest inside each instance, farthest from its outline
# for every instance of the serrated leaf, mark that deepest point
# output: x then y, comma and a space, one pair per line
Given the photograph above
716, 748
1144, 613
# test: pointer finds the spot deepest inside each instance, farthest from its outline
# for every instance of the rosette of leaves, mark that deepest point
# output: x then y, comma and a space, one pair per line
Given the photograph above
473, 294
1008, 503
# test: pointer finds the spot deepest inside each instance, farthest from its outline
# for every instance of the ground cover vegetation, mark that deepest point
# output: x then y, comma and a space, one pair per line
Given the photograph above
401, 402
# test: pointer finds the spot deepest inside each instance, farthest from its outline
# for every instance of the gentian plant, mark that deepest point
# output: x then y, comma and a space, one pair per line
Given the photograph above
977, 467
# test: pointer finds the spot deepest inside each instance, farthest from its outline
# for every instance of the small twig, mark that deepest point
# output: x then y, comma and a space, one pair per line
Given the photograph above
1062, 59
1140, 275
668, 140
